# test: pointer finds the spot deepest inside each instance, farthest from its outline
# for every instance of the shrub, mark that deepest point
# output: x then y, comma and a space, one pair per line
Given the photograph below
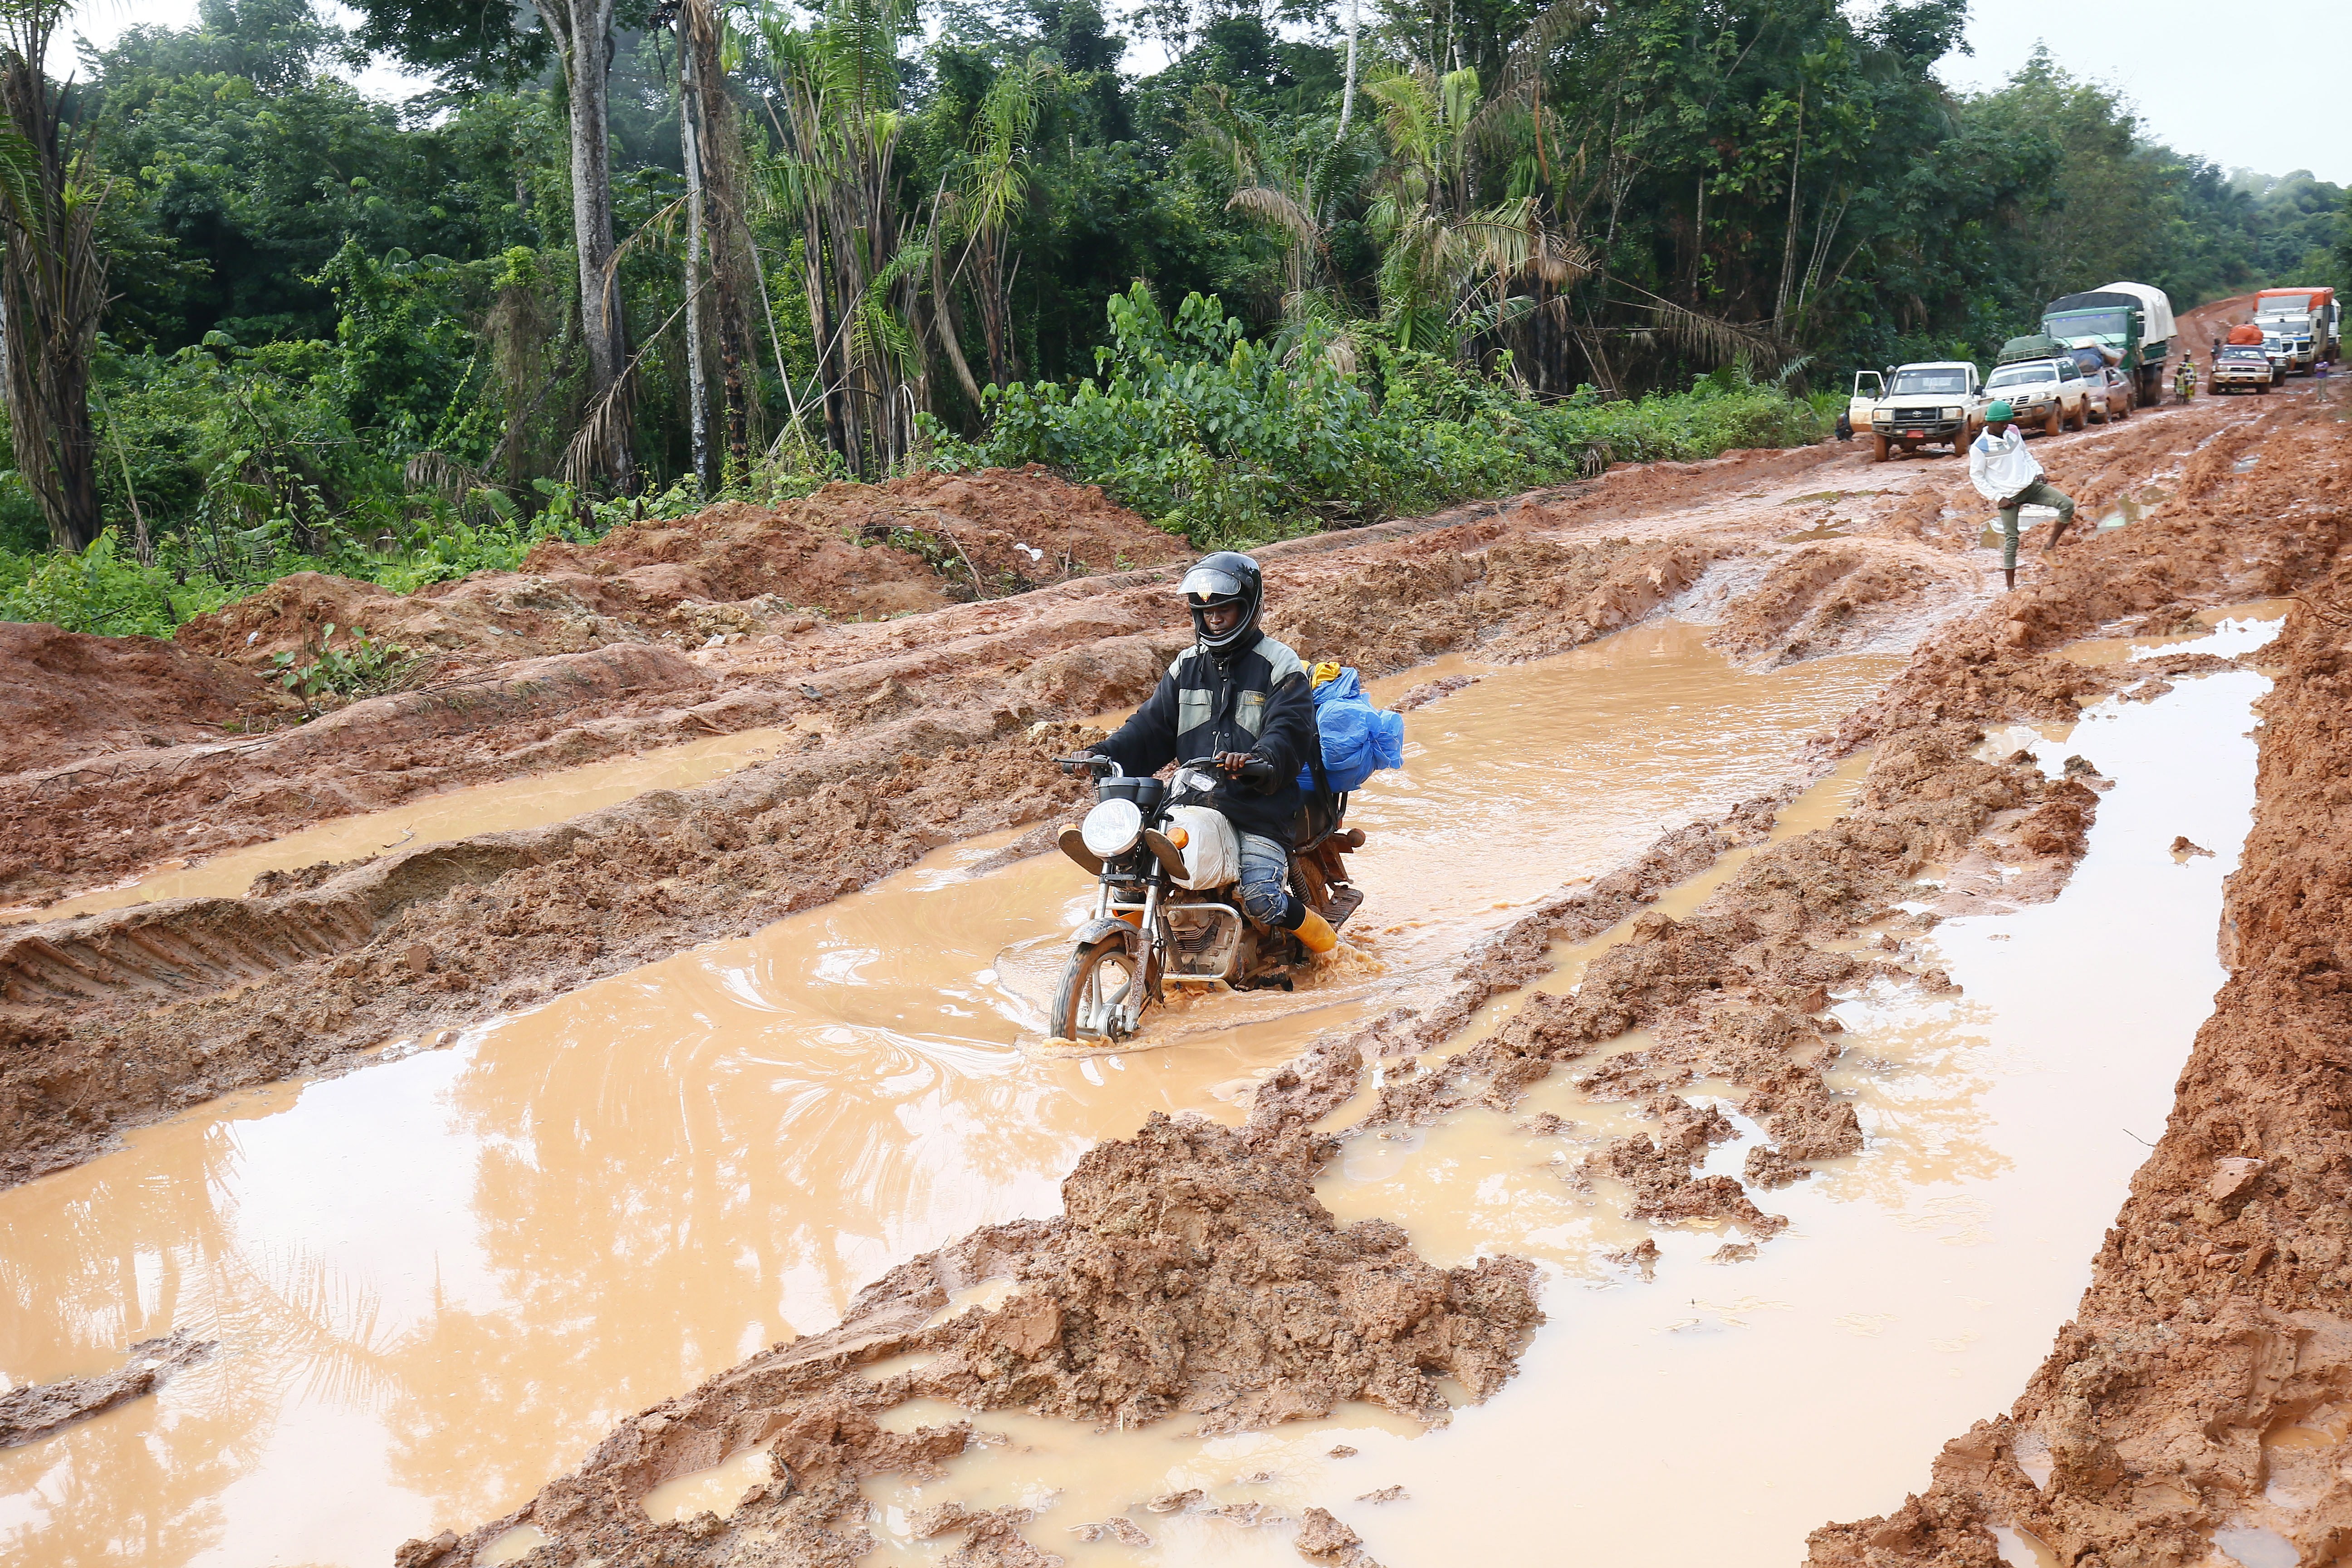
99, 592
1229, 441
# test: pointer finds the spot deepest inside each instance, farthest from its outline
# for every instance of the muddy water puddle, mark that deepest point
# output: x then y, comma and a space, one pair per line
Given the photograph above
437, 1282
2231, 632
435, 819
1716, 1412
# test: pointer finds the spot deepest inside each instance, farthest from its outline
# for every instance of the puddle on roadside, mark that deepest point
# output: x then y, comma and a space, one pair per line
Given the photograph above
2229, 632
513, 1546
437, 818
1918, 1287
2023, 1549
719, 1490
2123, 514
440, 1281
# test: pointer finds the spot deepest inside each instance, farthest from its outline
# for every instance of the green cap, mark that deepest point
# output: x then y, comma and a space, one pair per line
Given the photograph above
2000, 410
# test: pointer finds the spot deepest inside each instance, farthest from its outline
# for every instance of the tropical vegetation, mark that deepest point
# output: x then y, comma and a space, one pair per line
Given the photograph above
1326, 264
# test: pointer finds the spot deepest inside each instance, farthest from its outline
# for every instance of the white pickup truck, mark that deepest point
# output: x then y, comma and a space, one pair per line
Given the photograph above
2047, 395
1938, 401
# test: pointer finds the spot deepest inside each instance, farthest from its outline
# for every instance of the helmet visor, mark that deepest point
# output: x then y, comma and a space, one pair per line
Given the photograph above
1207, 585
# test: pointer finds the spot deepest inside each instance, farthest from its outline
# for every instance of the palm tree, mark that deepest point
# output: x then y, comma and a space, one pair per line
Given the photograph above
837, 125
1449, 269
996, 191
52, 277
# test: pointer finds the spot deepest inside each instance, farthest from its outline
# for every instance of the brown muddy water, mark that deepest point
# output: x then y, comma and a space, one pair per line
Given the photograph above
435, 819
437, 1282
1716, 1412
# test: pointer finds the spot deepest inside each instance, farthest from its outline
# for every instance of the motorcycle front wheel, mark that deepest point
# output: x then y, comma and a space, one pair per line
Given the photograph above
1091, 1003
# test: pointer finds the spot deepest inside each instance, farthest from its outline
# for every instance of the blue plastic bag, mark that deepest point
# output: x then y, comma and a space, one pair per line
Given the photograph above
1359, 740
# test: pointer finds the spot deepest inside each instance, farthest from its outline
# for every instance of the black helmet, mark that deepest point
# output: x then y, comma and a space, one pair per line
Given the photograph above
1228, 577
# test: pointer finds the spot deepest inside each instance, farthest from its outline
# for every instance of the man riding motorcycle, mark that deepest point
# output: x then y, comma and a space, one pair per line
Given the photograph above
1242, 703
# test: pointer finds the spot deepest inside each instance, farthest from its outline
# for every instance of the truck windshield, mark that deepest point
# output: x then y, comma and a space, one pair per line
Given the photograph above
2088, 324
2017, 374
1930, 382
2283, 305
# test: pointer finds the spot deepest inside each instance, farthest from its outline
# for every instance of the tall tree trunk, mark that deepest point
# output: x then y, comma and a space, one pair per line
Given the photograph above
705, 460
52, 284
718, 142
582, 30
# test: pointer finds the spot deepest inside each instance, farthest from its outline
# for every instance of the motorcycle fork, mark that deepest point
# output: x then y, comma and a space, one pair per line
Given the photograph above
1148, 929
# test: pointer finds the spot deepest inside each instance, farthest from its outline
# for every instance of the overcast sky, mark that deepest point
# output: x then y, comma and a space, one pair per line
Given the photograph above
2172, 57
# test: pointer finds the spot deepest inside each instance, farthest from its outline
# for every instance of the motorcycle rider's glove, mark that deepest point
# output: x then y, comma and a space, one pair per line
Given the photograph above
1250, 769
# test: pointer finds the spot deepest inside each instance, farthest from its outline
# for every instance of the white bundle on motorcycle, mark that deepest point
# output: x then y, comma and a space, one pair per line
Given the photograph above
1213, 850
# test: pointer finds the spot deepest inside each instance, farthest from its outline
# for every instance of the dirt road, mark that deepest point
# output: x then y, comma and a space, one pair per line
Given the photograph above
118, 1018
923, 729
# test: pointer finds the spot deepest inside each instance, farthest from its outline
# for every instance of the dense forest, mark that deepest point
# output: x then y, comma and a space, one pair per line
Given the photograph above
1331, 263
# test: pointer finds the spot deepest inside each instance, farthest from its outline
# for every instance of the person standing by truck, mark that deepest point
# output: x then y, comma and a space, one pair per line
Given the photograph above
2009, 476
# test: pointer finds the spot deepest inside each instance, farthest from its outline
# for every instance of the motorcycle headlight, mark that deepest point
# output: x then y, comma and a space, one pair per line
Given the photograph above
1111, 829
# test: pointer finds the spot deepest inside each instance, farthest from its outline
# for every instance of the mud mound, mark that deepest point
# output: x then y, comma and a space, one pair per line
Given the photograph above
849, 551
2198, 1398
31, 1413
64, 695
1193, 1271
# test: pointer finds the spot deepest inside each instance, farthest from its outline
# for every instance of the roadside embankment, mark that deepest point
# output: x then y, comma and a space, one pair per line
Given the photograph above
2200, 1398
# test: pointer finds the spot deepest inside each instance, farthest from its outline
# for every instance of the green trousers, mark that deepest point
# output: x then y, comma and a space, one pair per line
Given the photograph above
2041, 492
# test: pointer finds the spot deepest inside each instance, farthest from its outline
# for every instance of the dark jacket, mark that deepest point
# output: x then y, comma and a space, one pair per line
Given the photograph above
1254, 697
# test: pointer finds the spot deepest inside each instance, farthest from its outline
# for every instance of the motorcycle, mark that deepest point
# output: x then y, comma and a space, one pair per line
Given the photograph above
1148, 930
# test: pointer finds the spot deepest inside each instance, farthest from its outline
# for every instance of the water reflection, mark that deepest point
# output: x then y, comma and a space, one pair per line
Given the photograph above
438, 1281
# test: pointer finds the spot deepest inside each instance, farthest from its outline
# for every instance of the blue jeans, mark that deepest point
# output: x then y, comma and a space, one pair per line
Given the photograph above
1266, 887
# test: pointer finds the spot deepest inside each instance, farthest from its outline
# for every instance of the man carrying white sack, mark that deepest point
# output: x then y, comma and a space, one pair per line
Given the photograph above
2007, 475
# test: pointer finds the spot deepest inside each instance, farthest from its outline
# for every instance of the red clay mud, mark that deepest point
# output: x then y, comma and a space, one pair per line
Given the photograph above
65, 696
31, 1413
1743, 972
848, 551
1193, 1271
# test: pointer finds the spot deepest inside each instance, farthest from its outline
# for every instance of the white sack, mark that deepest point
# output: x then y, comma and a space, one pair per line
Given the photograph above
1213, 850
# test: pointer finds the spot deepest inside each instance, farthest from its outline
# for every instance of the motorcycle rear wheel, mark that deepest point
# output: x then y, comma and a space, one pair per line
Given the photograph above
1091, 1003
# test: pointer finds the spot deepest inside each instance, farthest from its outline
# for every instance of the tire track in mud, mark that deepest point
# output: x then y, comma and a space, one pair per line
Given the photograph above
1730, 989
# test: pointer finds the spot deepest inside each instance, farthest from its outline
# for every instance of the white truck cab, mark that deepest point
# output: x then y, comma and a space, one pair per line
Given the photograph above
1940, 401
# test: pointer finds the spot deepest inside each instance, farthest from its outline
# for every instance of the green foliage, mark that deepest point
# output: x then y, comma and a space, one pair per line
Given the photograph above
360, 668
99, 592
344, 336
1227, 441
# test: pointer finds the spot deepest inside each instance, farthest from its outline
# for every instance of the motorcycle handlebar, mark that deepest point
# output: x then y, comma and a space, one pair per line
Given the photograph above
1092, 763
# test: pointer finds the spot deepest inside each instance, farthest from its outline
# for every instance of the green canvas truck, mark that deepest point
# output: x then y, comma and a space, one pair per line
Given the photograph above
2131, 320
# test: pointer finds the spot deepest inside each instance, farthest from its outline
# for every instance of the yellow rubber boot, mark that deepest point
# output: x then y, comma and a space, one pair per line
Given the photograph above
1316, 934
